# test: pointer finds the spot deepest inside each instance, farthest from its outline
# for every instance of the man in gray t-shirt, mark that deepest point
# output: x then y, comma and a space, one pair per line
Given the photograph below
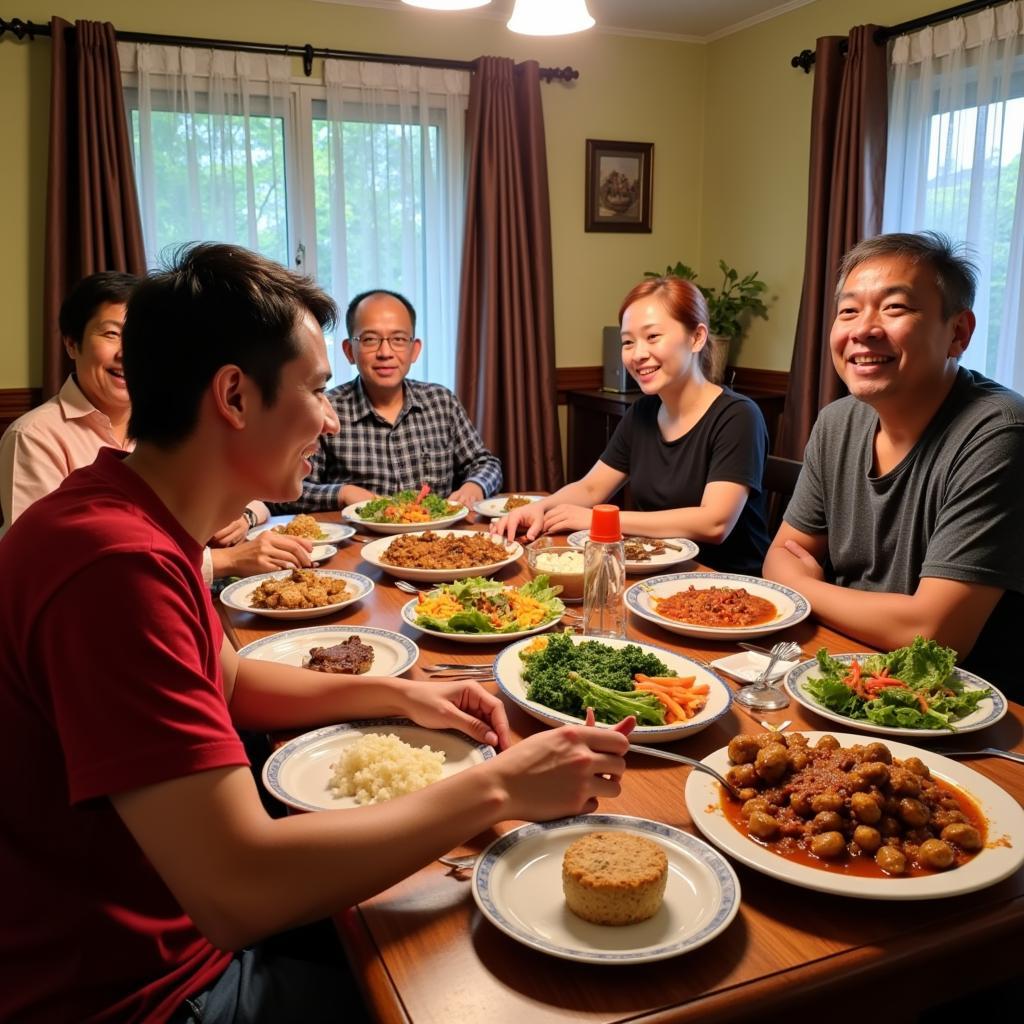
903, 521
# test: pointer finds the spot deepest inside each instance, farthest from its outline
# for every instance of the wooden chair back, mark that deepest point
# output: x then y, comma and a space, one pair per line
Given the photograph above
779, 482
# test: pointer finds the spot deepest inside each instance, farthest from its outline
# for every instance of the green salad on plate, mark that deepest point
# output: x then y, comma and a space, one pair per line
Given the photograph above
915, 687
478, 605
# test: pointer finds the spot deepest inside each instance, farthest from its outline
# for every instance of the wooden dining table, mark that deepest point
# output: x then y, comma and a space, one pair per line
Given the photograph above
424, 954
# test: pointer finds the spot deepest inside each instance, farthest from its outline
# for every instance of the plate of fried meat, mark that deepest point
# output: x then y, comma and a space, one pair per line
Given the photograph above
297, 593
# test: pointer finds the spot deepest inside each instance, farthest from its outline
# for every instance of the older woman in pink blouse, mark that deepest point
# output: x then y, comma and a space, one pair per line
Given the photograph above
91, 411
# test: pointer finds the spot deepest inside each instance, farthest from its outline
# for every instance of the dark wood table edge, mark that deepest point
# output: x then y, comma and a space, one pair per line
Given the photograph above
370, 969
986, 947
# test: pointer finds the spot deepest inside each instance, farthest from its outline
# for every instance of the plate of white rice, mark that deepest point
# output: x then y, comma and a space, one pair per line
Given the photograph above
355, 764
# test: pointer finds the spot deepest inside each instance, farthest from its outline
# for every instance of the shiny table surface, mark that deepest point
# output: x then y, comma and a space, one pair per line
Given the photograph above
423, 952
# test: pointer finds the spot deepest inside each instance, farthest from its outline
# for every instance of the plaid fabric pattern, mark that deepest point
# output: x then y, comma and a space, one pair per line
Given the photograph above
432, 441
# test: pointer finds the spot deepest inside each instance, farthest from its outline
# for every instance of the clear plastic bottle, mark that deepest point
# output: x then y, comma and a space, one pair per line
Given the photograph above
604, 576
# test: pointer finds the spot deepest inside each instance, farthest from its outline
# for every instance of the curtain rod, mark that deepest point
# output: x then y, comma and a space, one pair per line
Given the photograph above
805, 58
26, 29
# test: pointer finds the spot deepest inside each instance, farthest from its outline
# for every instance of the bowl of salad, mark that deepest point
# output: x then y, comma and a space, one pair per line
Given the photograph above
479, 611
912, 691
404, 512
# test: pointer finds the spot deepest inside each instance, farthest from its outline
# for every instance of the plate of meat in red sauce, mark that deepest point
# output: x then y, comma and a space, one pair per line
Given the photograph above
717, 605
875, 820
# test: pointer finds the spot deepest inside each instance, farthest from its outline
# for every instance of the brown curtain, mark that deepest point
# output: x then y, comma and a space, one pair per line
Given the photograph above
506, 344
92, 212
847, 182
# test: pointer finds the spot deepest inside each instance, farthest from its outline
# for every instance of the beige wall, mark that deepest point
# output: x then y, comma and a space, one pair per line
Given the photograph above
756, 147
729, 121
629, 88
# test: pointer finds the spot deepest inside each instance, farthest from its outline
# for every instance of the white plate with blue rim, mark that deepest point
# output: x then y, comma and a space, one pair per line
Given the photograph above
656, 561
376, 551
239, 595
494, 508
299, 772
330, 533
409, 617
790, 606
393, 653
1002, 856
508, 671
517, 884
987, 712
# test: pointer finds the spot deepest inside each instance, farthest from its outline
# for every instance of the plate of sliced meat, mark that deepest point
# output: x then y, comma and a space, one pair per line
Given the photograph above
647, 554
351, 650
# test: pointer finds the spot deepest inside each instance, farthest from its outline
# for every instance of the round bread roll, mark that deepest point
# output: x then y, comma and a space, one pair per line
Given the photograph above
614, 878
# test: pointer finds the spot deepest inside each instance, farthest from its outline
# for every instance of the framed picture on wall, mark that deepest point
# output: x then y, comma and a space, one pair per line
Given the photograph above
619, 176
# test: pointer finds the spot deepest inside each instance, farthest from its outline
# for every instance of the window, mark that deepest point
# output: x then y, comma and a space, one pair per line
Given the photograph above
357, 180
954, 165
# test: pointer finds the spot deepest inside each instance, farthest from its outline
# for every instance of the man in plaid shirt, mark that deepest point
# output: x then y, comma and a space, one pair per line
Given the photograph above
395, 434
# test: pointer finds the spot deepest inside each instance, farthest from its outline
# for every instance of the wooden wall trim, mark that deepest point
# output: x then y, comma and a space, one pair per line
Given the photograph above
589, 378
14, 402
577, 378
775, 382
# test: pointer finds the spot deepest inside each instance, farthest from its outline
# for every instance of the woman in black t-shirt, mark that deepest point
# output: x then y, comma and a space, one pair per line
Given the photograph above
692, 451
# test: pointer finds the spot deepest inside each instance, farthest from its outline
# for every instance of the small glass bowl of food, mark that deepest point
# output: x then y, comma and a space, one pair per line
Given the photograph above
560, 562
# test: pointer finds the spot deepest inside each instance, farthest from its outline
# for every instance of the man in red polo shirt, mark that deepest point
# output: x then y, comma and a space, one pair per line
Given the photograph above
138, 862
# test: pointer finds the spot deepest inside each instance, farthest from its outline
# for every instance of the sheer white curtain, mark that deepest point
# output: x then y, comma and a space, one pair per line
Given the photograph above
390, 195
956, 129
209, 135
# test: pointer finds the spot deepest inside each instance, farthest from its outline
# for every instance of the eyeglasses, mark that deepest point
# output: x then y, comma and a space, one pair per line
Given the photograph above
372, 342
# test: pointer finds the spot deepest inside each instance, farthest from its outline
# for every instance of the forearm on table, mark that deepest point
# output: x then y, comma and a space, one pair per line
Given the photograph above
698, 524
267, 695
879, 619
242, 876
950, 612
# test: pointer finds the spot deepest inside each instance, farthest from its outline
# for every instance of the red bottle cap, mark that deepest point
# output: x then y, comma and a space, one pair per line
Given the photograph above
604, 524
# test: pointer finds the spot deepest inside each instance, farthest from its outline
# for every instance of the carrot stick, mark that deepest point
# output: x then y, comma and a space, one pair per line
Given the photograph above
674, 709
669, 681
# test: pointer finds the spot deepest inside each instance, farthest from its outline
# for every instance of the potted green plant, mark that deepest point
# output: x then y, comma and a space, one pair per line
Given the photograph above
738, 297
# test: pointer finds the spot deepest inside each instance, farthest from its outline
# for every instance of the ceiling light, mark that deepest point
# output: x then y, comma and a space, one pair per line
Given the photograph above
550, 17
447, 5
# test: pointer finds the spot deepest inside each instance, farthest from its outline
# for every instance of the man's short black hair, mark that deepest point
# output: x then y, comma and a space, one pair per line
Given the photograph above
350, 313
955, 275
215, 305
88, 295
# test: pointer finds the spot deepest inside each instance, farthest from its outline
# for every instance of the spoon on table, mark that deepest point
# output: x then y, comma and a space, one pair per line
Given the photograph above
459, 863
1010, 755
700, 766
409, 588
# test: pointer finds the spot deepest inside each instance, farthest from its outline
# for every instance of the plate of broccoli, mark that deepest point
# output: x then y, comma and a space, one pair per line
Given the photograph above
556, 677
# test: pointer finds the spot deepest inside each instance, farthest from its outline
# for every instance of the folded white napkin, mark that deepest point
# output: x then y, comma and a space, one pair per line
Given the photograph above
748, 665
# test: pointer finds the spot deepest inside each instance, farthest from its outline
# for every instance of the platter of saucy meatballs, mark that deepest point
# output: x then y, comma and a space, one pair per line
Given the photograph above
877, 820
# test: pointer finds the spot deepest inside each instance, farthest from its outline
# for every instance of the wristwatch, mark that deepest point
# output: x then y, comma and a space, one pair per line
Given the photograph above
249, 516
